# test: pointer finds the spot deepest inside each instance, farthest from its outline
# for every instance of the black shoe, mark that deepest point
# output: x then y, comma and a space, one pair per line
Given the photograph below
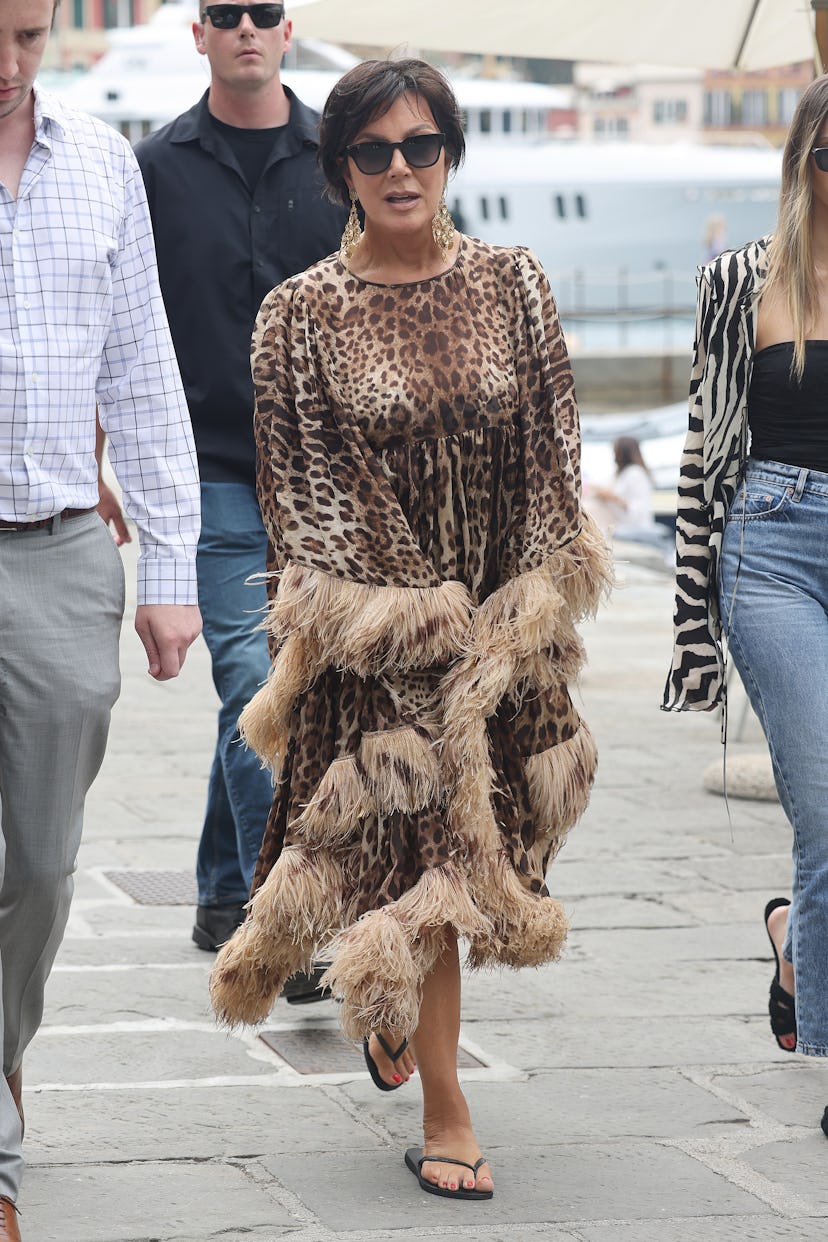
824, 1123
216, 924
302, 989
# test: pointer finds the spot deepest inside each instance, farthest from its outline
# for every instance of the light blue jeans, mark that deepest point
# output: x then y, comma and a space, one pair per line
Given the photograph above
233, 545
774, 604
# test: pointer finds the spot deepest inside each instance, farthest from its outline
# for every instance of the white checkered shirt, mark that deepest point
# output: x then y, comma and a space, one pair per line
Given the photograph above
82, 322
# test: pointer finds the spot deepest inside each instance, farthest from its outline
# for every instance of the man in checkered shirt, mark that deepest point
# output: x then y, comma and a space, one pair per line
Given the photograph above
82, 324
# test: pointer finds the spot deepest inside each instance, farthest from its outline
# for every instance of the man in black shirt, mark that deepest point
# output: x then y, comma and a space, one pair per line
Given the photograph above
237, 207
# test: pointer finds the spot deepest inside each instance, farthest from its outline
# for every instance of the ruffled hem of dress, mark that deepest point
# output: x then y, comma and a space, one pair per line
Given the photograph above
520, 639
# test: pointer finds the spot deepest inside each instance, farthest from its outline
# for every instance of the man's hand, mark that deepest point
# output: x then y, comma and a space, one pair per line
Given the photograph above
112, 514
166, 630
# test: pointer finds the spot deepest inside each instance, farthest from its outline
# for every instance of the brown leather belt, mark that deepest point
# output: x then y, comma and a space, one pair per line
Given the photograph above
44, 523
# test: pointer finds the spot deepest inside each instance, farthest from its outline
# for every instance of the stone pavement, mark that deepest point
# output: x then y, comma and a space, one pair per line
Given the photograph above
631, 1093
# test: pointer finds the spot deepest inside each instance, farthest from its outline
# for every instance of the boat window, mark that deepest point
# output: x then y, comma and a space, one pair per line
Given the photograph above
484, 208
503, 204
560, 206
580, 207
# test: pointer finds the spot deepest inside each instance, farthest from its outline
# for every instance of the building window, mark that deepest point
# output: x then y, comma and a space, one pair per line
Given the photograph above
484, 208
485, 121
77, 14
560, 206
755, 108
504, 208
507, 122
670, 111
786, 102
580, 207
718, 108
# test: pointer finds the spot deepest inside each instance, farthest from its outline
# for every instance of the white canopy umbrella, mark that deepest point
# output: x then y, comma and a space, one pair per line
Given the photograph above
711, 34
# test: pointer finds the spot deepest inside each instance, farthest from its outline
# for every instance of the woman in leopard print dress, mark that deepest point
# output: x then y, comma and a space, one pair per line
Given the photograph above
419, 477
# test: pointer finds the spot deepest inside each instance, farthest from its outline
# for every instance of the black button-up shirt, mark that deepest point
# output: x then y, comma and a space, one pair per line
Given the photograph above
221, 248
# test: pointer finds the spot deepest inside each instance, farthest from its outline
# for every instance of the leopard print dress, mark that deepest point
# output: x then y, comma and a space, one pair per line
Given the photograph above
418, 473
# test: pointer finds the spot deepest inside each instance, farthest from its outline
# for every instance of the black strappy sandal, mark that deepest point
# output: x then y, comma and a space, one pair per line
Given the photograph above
415, 1160
392, 1056
781, 1005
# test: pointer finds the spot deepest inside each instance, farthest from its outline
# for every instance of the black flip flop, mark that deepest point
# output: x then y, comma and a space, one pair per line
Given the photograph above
415, 1160
390, 1053
781, 1005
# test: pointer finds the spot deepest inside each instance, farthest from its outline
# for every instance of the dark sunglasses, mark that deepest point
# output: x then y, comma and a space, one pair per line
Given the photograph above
228, 16
820, 155
418, 151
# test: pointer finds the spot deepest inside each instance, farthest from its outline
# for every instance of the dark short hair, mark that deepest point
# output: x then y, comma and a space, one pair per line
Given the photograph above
366, 92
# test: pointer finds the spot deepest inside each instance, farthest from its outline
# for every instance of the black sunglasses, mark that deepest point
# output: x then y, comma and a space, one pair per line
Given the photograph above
419, 151
820, 155
228, 16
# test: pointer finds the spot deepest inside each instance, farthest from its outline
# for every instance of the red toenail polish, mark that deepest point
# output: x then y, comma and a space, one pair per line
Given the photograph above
397, 1078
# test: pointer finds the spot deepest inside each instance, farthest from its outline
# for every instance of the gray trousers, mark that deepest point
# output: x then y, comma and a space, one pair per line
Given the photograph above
61, 605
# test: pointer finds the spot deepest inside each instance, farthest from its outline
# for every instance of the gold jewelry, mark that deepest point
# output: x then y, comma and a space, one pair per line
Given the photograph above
442, 227
352, 235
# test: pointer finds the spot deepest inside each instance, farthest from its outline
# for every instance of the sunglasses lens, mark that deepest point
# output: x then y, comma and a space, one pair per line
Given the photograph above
372, 157
422, 150
223, 16
821, 158
265, 16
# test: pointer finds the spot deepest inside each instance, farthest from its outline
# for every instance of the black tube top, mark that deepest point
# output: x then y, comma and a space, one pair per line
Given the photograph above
789, 422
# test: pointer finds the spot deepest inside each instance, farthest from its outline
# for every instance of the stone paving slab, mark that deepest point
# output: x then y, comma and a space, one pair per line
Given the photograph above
622, 910
799, 1166
792, 1093
594, 988
135, 1054
126, 994
154, 1201
193, 1123
636, 1041
576, 1105
558, 1183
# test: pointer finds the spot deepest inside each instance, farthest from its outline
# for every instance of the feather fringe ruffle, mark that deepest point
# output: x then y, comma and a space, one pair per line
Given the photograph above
299, 903
379, 962
368, 629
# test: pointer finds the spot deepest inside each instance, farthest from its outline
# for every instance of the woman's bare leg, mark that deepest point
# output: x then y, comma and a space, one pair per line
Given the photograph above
447, 1128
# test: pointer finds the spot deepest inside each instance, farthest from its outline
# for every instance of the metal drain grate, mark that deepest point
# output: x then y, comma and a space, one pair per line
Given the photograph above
157, 888
316, 1051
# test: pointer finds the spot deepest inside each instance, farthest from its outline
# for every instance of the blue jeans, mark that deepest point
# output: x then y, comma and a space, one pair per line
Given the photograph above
233, 545
774, 604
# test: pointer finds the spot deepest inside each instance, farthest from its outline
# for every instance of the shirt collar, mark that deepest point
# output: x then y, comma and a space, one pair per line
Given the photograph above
48, 111
192, 124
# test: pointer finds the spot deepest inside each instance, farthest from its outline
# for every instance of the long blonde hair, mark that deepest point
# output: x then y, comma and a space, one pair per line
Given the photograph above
791, 261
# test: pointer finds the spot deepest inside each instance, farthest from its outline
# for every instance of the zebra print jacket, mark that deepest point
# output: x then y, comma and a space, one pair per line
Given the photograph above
711, 465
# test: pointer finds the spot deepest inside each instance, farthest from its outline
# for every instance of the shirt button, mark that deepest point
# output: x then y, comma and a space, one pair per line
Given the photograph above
259, 263
26, 304
35, 377
257, 208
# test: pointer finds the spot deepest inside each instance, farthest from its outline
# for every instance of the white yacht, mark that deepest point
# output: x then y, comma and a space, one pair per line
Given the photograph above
616, 224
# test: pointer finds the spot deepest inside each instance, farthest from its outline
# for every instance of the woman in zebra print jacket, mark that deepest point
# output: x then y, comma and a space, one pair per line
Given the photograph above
752, 569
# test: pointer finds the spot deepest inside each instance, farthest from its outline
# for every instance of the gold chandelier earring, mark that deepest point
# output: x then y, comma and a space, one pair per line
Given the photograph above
353, 233
442, 227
